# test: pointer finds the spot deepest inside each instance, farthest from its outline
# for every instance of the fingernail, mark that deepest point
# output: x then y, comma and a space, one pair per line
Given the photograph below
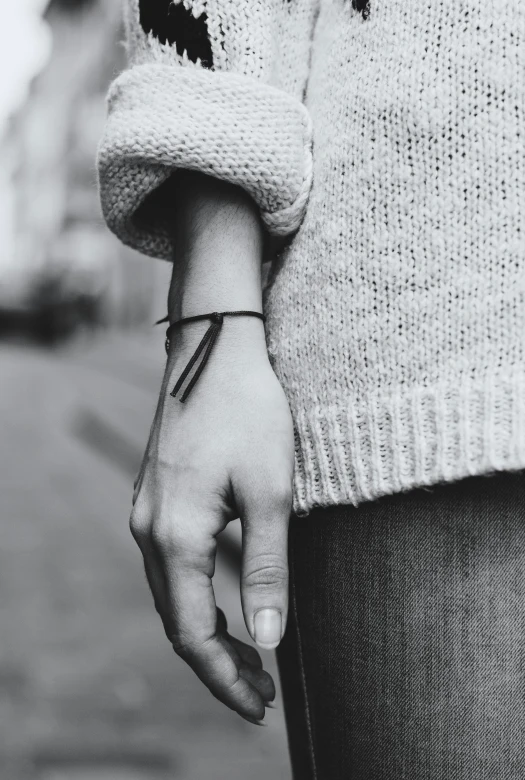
254, 721
270, 705
267, 624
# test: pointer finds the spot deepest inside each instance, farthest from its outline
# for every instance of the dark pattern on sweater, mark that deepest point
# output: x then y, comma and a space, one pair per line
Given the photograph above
175, 24
363, 6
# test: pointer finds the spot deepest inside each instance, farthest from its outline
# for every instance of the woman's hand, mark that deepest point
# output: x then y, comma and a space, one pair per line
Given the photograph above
227, 452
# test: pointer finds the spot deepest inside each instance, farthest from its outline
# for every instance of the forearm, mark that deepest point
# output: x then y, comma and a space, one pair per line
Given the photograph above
218, 238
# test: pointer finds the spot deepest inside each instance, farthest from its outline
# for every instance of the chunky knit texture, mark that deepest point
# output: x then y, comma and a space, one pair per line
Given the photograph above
238, 121
396, 310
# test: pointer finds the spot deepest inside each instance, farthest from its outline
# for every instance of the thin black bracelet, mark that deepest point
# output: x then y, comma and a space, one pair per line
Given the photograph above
208, 340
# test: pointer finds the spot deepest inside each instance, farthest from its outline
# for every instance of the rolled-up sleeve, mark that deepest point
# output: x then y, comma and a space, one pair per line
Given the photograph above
200, 100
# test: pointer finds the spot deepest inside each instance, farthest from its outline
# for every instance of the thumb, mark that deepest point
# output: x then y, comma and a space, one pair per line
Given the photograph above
264, 572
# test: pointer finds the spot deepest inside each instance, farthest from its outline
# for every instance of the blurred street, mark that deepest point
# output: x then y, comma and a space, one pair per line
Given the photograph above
89, 686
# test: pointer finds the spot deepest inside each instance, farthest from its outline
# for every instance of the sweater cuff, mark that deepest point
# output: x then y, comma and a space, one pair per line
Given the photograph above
231, 126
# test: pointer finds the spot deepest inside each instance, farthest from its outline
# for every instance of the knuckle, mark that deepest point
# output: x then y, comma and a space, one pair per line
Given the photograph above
185, 650
171, 538
138, 525
187, 647
168, 540
235, 686
265, 572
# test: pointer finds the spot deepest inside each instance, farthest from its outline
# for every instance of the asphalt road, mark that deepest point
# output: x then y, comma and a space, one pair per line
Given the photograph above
89, 686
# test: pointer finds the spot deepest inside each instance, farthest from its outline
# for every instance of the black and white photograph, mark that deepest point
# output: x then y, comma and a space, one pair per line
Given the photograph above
262, 390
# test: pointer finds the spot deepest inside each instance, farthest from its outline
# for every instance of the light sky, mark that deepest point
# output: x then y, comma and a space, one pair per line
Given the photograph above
25, 43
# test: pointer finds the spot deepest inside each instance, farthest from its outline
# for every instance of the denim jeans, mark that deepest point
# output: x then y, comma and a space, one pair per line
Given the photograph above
404, 654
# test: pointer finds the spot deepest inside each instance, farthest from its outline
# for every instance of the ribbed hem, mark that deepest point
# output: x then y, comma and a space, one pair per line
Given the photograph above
392, 443
230, 126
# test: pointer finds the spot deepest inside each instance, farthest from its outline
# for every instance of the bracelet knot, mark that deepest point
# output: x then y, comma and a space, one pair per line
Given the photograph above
206, 344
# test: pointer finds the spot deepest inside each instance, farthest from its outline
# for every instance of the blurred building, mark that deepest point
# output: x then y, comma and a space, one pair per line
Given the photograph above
61, 262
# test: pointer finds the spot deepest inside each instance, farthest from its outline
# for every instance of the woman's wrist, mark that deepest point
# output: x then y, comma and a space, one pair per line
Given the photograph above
241, 339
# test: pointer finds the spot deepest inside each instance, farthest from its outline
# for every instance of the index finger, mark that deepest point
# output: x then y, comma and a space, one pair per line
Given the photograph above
191, 620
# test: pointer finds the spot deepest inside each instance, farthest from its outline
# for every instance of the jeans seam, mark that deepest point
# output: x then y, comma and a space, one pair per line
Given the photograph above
303, 679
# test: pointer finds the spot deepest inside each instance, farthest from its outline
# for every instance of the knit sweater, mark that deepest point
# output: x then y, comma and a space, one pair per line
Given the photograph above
385, 141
